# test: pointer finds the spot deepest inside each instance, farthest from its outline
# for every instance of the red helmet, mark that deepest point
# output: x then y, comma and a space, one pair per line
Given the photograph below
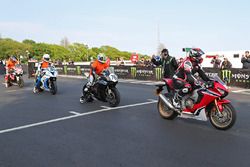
195, 55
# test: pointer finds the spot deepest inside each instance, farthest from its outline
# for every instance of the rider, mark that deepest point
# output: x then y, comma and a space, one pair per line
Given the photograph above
97, 67
41, 67
184, 80
10, 66
167, 62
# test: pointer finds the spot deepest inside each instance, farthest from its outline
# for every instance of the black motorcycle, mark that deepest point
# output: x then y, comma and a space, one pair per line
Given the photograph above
103, 89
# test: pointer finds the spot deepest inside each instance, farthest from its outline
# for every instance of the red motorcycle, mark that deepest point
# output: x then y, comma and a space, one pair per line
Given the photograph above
14, 77
204, 103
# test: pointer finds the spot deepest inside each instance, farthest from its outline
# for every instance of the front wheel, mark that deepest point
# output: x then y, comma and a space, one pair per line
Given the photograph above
225, 119
113, 97
53, 87
20, 82
165, 111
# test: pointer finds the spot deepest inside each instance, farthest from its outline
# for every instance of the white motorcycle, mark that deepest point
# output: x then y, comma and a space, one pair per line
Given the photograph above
48, 81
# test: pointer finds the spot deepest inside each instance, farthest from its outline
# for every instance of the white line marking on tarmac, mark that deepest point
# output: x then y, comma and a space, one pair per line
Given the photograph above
238, 91
71, 117
153, 100
74, 113
106, 107
9, 91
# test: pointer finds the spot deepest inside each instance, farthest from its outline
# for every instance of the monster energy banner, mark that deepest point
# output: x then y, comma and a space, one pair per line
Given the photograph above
122, 72
71, 70
142, 73
60, 69
234, 77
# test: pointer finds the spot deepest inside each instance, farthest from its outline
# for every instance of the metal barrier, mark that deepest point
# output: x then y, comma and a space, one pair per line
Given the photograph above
234, 77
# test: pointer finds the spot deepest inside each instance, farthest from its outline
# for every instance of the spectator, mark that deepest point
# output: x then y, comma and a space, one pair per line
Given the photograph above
119, 61
226, 64
180, 61
168, 63
226, 71
216, 62
245, 60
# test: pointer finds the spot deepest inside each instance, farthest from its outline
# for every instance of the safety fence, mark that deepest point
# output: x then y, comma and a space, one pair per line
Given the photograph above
234, 77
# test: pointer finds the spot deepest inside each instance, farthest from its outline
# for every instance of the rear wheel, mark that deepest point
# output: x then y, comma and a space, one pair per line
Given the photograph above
225, 119
113, 97
165, 111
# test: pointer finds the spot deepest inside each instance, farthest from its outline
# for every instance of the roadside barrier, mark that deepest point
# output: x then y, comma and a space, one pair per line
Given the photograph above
234, 77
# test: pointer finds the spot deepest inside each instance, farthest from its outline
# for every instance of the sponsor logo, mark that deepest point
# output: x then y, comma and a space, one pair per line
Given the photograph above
239, 77
133, 72
65, 70
78, 69
158, 73
226, 75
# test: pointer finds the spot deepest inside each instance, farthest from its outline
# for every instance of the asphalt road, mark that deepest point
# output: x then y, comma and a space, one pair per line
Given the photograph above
42, 130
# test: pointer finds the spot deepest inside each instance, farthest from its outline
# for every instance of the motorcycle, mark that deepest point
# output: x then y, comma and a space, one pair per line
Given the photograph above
15, 77
103, 89
48, 81
207, 102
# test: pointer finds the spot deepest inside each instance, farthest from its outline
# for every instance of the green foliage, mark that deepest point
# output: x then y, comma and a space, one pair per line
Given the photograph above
76, 51
10, 47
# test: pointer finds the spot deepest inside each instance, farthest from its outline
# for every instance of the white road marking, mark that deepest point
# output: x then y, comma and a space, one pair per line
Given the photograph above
9, 91
74, 113
245, 93
20, 89
106, 107
238, 91
152, 100
71, 117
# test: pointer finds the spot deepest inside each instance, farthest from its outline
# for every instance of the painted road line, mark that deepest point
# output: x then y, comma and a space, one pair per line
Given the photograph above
21, 89
106, 107
245, 93
10, 91
238, 91
71, 117
74, 113
153, 100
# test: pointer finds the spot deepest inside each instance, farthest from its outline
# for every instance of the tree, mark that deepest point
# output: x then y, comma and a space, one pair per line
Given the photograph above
29, 41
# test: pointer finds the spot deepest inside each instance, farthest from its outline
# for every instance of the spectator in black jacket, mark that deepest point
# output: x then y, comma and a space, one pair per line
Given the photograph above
226, 64
216, 62
168, 63
245, 60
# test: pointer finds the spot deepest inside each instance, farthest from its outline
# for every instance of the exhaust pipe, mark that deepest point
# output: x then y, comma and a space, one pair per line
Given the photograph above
168, 103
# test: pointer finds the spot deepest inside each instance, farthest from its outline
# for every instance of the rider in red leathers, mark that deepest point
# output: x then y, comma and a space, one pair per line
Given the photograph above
184, 81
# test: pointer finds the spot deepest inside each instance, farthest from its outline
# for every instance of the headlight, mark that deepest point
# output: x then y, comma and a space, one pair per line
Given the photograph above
221, 91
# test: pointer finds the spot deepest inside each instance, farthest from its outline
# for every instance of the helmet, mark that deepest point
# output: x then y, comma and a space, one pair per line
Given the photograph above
46, 57
13, 58
157, 58
195, 55
101, 58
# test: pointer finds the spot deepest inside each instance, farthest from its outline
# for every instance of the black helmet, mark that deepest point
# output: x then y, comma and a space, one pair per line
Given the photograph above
164, 50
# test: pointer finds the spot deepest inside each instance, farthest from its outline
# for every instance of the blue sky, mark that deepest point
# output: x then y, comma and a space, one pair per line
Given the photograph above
131, 25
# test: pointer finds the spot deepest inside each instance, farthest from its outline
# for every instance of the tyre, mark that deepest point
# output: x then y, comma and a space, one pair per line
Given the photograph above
20, 82
165, 111
53, 87
113, 97
224, 121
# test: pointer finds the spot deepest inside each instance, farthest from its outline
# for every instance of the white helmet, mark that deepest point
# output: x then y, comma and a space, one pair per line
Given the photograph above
46, 57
